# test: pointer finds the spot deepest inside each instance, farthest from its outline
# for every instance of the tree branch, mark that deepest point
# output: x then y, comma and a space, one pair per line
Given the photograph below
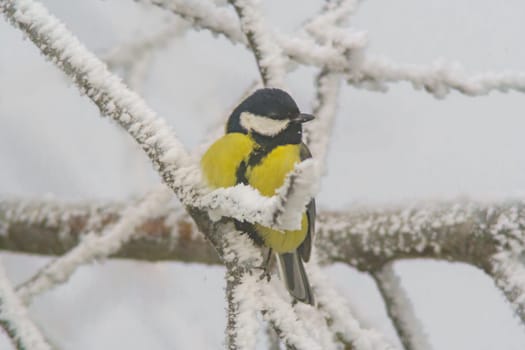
95, 245
14, 320
509, 275
207, 15
361, 69
439, 78
318, 131
135, 57
400, 309
340, 317
268, 54
463, 231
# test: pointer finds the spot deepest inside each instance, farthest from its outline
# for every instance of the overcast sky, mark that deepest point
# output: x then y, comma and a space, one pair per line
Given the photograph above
386, 148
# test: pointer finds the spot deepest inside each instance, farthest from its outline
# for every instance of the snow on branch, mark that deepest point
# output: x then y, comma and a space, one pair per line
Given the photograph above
96, 245
248, 293
318, 131
438, 78
301, 47
135, 57
341, 318
268, 54
52, 227
365, 238
205, 14
327, 27
509, 275
283, 210
15, 321
361, 69
400, 309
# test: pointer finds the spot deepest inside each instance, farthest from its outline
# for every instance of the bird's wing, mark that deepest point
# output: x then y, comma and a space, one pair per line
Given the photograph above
305, 249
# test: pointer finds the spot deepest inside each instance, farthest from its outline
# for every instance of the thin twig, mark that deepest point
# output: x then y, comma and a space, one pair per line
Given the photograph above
318, 132
15, 321
268, 54
438, 78
340, 317
400, 309
95, 246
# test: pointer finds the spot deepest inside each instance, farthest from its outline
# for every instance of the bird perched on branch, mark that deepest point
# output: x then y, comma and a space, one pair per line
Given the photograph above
262, 144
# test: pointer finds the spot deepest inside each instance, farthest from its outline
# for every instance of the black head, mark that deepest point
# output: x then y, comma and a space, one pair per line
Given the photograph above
270, 116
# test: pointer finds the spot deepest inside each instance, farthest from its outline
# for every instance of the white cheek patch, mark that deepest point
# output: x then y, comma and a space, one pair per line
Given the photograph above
262, 125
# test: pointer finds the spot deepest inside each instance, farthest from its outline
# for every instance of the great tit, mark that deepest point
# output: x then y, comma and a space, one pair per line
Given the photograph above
262, 144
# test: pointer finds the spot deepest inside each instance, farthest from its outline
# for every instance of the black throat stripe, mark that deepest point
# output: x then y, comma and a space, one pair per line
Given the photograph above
256, 157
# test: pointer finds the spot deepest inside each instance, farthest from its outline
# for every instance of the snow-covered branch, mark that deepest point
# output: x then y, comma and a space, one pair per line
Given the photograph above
362, 69
248, 293
400, 309
509, 274
283, 210
341, 318
268, 54
438, 78
318, 132
96, 245
15, 321
366, 238
51, 227
135, 58
205, 14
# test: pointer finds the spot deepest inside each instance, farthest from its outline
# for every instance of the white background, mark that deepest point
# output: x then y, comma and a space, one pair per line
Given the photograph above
386, 148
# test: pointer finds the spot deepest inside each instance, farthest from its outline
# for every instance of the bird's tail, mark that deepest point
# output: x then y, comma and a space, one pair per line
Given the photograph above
294, 277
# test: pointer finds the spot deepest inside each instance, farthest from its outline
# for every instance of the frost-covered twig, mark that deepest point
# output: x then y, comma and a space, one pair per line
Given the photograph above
318, 132
341, 318
268, 54
333, 12
95, 245
135, 57
283, 210
438, 78
248, 293
327, 27
243, 325
400, 309
205, 14
241, 257
15, 321
509, 275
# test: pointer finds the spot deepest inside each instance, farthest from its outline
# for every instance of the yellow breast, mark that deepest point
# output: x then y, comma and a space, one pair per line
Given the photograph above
220, 162
270, 173
267, 177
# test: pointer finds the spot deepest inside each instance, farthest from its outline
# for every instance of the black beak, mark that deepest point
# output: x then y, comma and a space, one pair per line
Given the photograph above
302, 118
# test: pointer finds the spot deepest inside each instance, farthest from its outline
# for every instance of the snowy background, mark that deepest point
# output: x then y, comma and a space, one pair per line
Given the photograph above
386, 148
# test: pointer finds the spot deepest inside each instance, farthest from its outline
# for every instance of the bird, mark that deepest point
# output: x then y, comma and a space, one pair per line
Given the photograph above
261, 145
